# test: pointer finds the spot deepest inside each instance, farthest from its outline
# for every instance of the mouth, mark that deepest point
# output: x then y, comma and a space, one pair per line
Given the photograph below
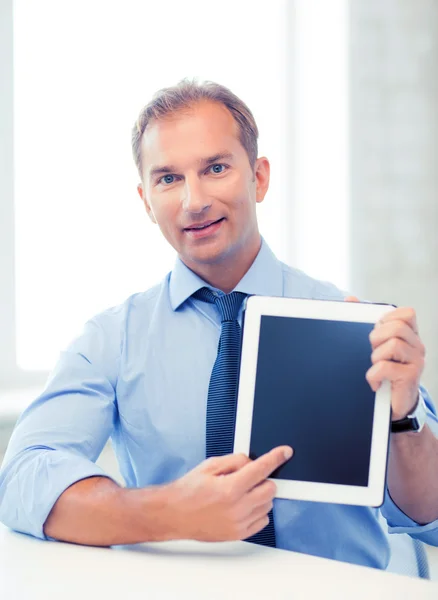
204, 225
204, 229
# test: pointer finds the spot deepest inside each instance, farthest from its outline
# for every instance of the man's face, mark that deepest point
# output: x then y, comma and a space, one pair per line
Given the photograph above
198, 185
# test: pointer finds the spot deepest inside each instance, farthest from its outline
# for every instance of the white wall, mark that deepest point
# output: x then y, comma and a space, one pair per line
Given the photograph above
394, 160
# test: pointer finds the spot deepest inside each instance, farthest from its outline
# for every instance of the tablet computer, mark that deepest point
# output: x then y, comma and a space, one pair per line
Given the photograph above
302, 383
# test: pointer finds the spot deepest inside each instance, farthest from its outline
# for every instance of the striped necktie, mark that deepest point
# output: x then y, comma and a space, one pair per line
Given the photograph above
222, 390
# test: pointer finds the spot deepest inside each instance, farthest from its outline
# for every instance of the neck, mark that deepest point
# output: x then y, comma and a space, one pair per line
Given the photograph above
226, 274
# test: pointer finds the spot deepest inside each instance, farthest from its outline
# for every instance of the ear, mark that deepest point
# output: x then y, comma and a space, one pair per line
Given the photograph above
262, 171
147, 206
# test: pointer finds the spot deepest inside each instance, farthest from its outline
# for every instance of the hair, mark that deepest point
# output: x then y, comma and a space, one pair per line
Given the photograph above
185, 95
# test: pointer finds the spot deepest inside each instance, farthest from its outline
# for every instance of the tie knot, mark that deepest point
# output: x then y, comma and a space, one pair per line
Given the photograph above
228, 305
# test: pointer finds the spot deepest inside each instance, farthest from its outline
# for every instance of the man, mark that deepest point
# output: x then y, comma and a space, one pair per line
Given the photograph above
142, 373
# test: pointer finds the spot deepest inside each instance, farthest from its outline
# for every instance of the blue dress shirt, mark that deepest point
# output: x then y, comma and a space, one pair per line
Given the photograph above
139, 372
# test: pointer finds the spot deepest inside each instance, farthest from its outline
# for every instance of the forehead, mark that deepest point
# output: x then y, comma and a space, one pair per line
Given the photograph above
190, 135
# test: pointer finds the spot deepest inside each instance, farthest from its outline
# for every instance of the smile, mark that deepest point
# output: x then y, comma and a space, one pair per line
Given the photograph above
204, 229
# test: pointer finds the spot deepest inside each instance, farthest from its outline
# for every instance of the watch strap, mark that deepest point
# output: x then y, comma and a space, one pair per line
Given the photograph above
413, 422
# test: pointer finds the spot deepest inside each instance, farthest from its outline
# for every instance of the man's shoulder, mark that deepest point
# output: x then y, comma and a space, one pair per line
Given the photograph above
298, 284
104, 335
140, 304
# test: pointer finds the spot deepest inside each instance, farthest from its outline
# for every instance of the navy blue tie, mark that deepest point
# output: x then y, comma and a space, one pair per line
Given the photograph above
222, 390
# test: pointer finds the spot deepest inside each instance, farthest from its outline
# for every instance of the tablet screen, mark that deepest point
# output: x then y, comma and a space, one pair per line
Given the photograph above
311, 393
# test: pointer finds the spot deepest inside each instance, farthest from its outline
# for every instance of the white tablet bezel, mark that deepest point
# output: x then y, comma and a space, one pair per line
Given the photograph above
256, 306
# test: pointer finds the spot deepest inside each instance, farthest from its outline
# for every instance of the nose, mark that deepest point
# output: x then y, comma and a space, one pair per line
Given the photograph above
193, 198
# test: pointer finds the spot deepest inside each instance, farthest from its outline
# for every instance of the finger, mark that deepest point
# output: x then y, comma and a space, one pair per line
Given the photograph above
224, 465
258, 470
351, 299
405, 314
257, 512
396, 350
393, 372
262, 493
395, 329
256, 526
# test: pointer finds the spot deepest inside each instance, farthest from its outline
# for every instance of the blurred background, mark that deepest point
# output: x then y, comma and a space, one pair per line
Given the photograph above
345, 94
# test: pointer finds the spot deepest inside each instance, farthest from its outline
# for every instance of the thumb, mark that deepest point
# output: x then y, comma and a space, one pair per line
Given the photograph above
351, 299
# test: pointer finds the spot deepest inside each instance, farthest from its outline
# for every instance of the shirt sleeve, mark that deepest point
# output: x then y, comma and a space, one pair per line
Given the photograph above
398, 521
58, 438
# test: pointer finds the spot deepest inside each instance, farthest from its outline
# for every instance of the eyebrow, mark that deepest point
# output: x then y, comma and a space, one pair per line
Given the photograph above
165, 169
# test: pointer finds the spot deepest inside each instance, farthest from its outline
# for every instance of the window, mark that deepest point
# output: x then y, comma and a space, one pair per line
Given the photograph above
321, 139
83, 70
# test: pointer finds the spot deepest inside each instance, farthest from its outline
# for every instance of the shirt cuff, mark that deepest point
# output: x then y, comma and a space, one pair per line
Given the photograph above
399, 522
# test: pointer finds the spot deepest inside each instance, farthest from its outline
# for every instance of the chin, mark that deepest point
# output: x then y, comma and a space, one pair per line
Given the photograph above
205, 256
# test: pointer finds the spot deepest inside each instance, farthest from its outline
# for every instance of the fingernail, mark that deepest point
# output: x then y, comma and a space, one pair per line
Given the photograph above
288, 453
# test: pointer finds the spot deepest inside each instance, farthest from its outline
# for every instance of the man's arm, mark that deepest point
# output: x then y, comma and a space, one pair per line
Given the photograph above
398, 356
50, 485
224, 498
413, 474
58, 438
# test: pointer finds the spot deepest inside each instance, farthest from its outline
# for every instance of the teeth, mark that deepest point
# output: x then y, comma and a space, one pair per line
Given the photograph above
202, 226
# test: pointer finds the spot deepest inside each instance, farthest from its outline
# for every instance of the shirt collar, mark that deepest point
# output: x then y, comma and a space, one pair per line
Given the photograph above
264, 278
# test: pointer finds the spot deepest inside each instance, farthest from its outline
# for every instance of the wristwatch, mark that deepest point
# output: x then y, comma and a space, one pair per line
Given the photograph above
414, 421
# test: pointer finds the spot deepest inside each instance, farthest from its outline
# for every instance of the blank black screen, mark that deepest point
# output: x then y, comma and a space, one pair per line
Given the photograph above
311, 393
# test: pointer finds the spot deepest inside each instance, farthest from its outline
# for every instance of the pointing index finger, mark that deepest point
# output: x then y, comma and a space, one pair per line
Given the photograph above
258, 470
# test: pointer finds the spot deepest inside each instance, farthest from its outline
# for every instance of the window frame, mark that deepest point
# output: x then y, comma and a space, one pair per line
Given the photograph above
11, 376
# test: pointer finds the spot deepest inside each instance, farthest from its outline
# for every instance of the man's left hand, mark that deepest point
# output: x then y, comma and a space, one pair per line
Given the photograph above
398, 356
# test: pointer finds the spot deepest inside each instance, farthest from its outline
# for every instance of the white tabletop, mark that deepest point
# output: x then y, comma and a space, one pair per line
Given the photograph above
31, 569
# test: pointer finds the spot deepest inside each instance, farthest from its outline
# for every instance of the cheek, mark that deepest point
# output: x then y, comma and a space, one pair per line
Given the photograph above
164, 208
232, 191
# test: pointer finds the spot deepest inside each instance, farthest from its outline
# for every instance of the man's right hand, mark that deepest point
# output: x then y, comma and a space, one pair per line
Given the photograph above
225, 498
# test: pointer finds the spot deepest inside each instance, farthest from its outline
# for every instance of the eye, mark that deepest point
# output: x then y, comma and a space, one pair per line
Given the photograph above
217, 169
167, 179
